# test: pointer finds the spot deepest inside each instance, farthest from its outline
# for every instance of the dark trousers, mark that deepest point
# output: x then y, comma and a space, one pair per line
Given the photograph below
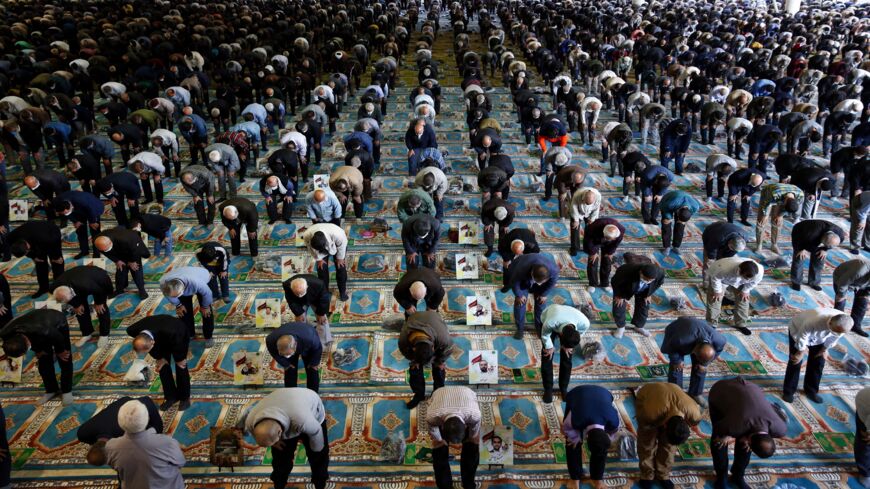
862, 454
45, 365
42, 272
122, 278
470, 459
675, 374
177, 387
859, 307
520, 313
282, 461
439, 208
236, 243
417, 380
638, 319
565, 365
340, 274
120, 213
720, 460
744, 208
220, 286
204, 219
146, 188
673, 232
599, 271
720, 186
286, 209
82, 236
815, 365
797, 270
207, 322
576, 238
574, 456
87, 327
489, 236
291, 374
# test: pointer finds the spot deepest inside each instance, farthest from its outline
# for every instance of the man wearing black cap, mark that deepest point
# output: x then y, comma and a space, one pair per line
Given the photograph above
420, 236
590, 417
424, 340
40, 241
165, 339
291, 342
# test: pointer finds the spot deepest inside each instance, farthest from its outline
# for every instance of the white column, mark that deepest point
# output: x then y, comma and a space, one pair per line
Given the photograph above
791, 6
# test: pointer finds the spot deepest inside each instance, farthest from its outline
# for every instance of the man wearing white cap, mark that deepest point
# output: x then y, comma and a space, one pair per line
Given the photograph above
143, 458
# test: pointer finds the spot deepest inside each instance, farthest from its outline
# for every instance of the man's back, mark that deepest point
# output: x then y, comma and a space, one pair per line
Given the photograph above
146, 460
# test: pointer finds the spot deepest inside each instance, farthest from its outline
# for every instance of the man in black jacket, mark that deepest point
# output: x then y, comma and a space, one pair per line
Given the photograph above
638, 280
45, 331
292, 341
812, 239
238, 212
516, 242
416, 285
165, 338
305, 291
158, 227
86, 169
47, 184
126, 248
119, 187
600, 241
495, 211
104, 426
420, 235
215, 258
74, 287
41, 241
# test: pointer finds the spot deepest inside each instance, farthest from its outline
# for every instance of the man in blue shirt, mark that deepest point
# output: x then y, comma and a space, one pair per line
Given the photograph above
698, 339
534, 274
591, 417
681, 205
292, 341
179, 286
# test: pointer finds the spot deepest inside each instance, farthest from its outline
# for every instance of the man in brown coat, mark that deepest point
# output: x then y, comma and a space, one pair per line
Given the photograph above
424, 340
664, 414
347, 183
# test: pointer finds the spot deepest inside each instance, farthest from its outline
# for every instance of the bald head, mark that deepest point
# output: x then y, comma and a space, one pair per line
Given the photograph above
267, 432
840, 324
286, 345
517, 247
299, 287
103, 243
418, 290
319, 195
230, 212
755, 180
272, 181
63, 294
589, 198
611, 232
705, 353
143, 343
31, 182
578, 178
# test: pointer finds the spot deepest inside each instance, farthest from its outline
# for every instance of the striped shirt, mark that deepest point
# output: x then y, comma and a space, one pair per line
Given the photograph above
453, 401
775, 193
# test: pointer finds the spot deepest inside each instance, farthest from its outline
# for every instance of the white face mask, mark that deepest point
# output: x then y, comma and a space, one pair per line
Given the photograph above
288, 356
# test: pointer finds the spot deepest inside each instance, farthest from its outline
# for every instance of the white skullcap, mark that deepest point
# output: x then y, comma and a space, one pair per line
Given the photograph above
561, 159
133, 417
500, 213
215, 112
214, 156
270, 106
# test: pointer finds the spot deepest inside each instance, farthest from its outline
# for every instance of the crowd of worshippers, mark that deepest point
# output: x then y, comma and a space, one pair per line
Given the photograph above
212, 79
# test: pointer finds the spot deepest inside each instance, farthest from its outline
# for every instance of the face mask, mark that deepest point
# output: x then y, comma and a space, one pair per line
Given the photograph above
288, 356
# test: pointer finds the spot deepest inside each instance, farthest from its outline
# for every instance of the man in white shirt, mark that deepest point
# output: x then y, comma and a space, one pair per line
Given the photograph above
736, 277
812, 332
585, 205
324, 240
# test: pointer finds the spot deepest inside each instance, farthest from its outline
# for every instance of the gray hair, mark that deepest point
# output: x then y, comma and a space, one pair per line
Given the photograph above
172, 288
